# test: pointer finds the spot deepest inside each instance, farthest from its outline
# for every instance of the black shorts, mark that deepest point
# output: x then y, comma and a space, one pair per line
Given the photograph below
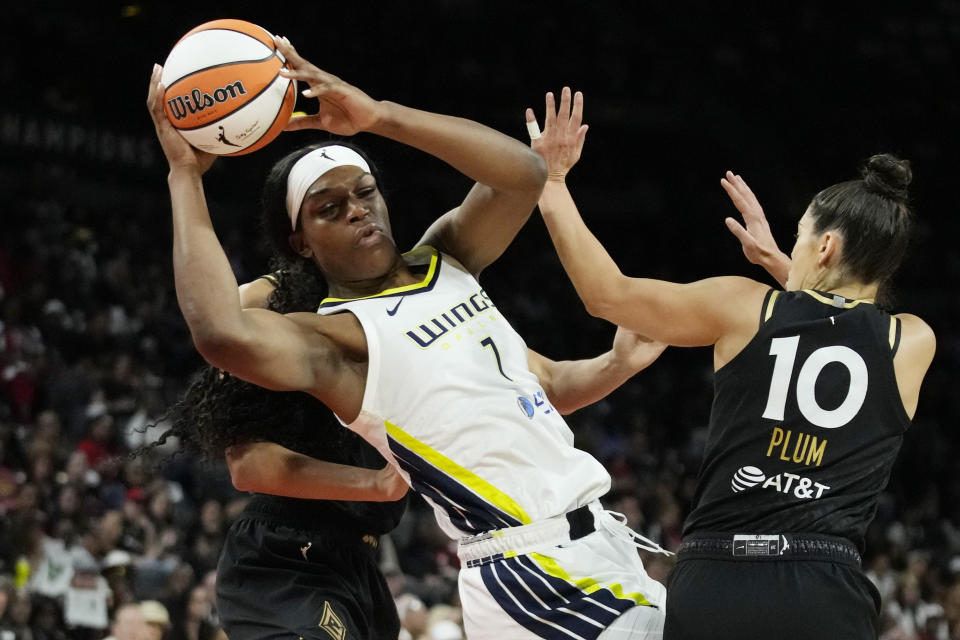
277, 581
820, 594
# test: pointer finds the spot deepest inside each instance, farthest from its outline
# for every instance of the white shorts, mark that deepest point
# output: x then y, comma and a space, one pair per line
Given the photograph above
534, 582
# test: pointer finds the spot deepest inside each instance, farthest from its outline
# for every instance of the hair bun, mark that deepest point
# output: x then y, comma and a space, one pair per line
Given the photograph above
888, 175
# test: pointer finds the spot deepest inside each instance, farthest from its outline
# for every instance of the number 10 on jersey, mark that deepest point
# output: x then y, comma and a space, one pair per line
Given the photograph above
784, 351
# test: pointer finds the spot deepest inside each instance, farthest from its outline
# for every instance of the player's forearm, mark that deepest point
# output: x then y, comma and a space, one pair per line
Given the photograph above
205, 284
265, 467
590, 268
479, 152
256, 293
577, 383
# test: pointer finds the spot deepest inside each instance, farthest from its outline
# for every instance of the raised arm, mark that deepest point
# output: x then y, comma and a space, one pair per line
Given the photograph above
508, 175
266, 348
573, 384
695, 314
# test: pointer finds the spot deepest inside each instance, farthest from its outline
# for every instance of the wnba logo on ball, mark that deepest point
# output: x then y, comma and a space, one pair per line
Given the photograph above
746, 477
197, 100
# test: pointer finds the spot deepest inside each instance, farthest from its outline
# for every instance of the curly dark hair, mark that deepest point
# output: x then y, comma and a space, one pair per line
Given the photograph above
218, 410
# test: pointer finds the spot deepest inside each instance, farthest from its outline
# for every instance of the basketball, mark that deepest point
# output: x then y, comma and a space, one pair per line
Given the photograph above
224, 92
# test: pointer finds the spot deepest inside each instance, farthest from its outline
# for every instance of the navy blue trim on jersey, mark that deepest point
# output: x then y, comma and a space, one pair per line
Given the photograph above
425, 285
603, 599
455, 499
549, 606
502, 598
520, 605
601, 605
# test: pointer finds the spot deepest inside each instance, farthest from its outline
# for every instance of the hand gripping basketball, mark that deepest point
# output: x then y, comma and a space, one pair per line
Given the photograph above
179, 153
224, 93
344, 109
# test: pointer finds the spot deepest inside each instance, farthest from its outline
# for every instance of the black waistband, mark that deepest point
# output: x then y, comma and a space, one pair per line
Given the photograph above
316, 516
581, 522
775, 546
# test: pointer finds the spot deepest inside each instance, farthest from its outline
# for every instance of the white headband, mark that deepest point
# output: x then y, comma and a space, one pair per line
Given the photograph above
307, 169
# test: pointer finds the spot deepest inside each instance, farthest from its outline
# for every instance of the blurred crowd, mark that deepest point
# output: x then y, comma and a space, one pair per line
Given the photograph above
97, 542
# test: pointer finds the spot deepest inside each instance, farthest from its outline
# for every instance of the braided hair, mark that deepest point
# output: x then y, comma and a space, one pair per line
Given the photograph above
218, 410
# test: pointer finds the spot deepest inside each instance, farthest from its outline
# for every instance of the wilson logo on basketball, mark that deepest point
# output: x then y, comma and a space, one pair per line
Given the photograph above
197, 100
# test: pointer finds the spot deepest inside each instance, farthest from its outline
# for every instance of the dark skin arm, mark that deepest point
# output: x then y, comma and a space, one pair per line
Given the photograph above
267, 467
569, 384
279, 352
323, 356
508, 175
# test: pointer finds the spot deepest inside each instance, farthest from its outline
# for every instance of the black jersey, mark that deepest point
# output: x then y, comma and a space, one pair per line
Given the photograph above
314, 431
806, 422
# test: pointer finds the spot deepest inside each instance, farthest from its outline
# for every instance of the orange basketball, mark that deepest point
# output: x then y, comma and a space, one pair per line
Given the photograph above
224, 92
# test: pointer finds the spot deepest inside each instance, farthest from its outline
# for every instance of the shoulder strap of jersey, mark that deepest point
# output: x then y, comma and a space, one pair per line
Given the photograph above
895, 331
424, 254
769, 301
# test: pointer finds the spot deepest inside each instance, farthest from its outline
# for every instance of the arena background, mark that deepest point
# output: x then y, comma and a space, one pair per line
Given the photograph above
791, 96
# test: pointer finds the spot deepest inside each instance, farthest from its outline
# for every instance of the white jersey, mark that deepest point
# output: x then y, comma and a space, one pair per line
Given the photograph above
451, 400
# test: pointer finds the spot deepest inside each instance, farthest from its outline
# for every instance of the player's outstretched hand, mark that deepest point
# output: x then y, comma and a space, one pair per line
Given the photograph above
344, 109
564, 133
179, 152
634, 350
755, 238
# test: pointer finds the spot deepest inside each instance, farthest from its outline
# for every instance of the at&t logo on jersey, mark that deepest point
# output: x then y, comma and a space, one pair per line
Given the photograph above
787, 483
746, 477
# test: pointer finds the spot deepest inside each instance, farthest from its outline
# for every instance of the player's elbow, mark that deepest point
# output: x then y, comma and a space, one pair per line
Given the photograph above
600, 304
218, 346
528, 174
247, 467
240, 482
537, 170
602, 295
237, 458
565, 408
593, 306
